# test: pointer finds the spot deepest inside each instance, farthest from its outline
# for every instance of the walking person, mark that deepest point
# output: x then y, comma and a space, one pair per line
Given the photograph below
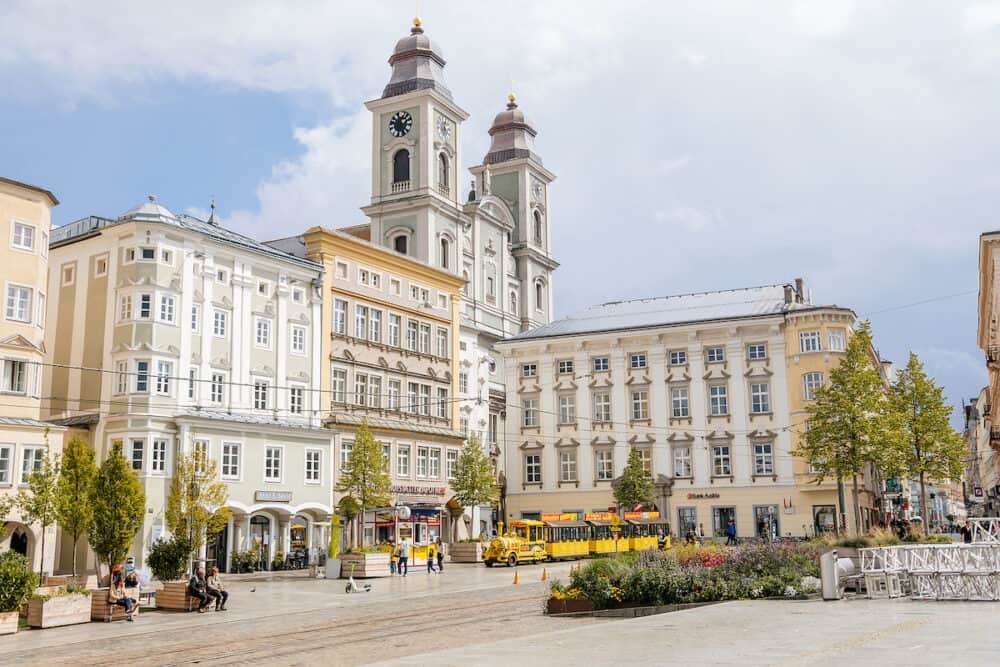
197, 588
440, 555
393, 557
116, 592
216, 590
404, 556
431, 551
966, 532
731, 533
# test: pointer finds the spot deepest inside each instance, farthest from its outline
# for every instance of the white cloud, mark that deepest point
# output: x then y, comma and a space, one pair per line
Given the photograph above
691, 219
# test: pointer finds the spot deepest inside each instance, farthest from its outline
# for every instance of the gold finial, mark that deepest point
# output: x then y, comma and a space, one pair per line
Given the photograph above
416, 21
511, 97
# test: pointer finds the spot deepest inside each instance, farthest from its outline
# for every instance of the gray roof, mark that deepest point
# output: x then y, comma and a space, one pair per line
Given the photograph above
78, 420
24, 421
393, 424
668, 311
242, 418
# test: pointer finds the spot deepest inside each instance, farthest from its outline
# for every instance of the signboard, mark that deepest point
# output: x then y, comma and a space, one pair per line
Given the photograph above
273, 496
598, 516
559, 516
699, 496
641, 515
978, 492
415, 490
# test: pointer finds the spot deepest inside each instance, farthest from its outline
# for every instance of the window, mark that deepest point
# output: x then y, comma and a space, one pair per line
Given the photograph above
219, 324
141, 376
68, 275
374, 391
602, 407
298, 339
164, 369
31, 462
601, 364
567, 409
345, 454
18, 303
539, 296
443, 176
605, 466
230, 460
637, 360
529, 370
411, 335
533, 469
370, 278
125, 308
680, 403
341, 270
425, 400
121, 375
442, 301
23, 237
201, 455
463, 425
566, 366
838, 340
442, 403
262, 332
296, 400
220, 276
425, 338
682, 462
756, 351
145, 306
272, 464
395, 322
100, 267
537, 216
6, 462
687, 520
196, 318
375, 326
387, 457
720, 460
168, 305
567, 466
399, 244
646, 457
298, 295
400, 168
513, 302
192, 381
444, 253
395, 389
340, 317
412, 403
360, 321
338, 383
442, 343
810, 383
360, 389
40, 319
435, 461
216, 393
158, 458
491, 290
422, 461
463, 383
395, 286
678, 358
715, 354
452, 463
763, 458
137, 450
260, 394
263, 287
640, 404
718, 400
760, 399
403, 460
809, 341
15, 376
314, 458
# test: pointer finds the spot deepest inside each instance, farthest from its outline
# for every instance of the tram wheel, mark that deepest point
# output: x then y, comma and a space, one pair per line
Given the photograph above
512, 560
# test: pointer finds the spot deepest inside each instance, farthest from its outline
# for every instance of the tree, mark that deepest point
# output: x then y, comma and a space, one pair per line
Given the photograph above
849, 424
196, 505
75, 511
474, 483
366, 476
929, 448
635, 486
39, 503
119, 504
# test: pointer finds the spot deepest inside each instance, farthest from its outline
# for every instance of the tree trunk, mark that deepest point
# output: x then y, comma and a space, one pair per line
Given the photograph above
41, 558
856, 504
924, 510
841, 523
76, 538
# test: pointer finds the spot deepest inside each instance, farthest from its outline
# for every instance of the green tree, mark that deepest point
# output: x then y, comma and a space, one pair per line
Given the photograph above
196, 505
74, 494
119, 505
39, 502
635, 486
474, 482
929, 448
366, 475
850, 424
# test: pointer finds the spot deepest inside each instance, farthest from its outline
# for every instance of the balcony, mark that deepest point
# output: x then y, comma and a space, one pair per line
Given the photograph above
400, 186
444, 189
995, 437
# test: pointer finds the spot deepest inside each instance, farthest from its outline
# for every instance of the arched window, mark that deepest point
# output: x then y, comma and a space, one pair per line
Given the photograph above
513, 302
444, 253
443, 172
539, 296
538, 227
400, 243
401, 166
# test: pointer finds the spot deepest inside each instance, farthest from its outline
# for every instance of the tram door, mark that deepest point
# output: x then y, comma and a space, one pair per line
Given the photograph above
260, 532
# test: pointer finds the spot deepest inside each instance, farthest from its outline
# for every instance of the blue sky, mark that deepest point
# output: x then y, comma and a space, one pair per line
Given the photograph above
697, 147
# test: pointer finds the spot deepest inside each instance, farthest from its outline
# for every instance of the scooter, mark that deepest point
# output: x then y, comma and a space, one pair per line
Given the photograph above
352, 586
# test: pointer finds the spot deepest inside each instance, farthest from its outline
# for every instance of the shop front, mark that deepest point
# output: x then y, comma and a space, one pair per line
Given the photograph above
418, 515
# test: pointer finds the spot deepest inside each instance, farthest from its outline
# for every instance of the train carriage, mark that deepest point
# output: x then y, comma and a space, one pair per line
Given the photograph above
644, 529
603, 532
565, 536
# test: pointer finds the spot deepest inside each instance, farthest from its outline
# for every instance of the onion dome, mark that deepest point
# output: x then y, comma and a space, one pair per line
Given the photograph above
513, 136
149, 211
417, 64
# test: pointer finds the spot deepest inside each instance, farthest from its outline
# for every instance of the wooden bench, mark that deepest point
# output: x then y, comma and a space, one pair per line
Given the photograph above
174, 597
100, 610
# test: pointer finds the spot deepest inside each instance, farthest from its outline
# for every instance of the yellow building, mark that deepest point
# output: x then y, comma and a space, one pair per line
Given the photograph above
25, 221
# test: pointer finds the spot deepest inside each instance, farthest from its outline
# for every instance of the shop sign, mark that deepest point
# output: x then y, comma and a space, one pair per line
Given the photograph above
641, 515
598, 516
559, 516
700, 496
273, 496
413, 489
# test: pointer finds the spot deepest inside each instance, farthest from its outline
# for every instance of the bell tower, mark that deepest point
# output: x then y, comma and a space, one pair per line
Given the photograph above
416, 125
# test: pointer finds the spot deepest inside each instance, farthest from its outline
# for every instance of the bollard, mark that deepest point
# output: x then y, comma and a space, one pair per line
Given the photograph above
516, 580
545, 574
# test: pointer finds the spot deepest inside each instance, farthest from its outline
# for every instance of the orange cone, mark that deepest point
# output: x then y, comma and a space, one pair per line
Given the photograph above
516, 579
545, 574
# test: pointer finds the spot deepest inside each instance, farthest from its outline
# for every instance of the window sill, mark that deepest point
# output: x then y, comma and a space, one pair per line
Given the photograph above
568, 482
773, 477
729, 477
640, 422
525, 485
761, 414
680, 420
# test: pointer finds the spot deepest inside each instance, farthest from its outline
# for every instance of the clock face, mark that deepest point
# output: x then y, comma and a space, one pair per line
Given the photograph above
443, 127
400, 123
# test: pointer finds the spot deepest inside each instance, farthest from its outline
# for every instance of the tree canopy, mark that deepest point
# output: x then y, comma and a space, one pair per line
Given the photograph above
635, 486
474, 482
75, 509
366, 475
39, 502
119, 506
196, 507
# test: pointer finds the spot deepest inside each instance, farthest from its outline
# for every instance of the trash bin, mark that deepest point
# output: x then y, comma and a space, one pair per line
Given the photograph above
829, 575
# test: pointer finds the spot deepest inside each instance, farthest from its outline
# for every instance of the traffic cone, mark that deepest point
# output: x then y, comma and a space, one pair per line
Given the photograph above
516, 579
545, 574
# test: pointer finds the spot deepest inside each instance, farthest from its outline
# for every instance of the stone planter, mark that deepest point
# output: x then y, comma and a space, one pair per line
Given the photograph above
555, 606
365, 565
8, 622
59, 610
466, 552
333, 568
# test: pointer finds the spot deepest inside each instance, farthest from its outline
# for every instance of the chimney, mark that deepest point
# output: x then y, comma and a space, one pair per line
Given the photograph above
800, 290
788, 295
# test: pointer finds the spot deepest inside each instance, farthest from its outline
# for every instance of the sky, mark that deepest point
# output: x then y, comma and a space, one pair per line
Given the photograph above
698, 146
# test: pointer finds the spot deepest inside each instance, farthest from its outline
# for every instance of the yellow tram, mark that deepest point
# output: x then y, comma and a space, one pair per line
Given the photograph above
565, 536
644, 530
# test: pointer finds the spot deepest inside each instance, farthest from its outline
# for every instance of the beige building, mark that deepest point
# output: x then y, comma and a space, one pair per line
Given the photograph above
25, 219
390, 348
171, 334
988, 338
710, 388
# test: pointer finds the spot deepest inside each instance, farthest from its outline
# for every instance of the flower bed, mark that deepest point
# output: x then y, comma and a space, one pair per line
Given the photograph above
694, 574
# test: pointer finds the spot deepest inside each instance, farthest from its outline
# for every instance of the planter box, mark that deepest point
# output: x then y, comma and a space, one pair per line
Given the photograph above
333, 566
60, 610
466, 552
365, 565
8, 622
174, 597
568, 606
100, 610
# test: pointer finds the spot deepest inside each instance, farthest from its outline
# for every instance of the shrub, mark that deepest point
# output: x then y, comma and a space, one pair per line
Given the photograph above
168, 558
17, 581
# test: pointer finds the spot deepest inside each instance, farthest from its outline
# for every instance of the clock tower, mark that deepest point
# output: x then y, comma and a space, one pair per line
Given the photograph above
415, 206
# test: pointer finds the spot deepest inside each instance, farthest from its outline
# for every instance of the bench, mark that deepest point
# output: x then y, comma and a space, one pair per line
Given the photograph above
174, 597
100, 610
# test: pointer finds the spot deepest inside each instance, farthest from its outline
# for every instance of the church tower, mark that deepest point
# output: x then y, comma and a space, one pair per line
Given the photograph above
415, 204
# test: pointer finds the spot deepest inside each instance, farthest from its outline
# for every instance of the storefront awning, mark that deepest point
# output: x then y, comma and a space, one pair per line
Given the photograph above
566, 524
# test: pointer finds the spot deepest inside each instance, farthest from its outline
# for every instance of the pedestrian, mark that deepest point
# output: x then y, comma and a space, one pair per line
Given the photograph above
393, 557
216, 590
404, 556
440, 554
116, 592
197, 588
430, 557
689, 537
966, 531
731, 533
701, 533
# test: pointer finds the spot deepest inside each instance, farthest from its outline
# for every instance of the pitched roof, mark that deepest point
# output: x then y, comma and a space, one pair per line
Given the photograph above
29, 186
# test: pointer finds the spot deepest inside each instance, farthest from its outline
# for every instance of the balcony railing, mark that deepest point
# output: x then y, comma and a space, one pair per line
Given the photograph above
400, 186
444, 189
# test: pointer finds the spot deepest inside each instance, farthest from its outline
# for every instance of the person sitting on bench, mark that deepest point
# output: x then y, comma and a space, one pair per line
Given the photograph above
216, 589
197, 588
116, 593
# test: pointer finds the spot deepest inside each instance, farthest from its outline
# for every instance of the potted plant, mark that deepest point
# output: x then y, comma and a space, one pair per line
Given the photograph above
67, 605
168, 560
333, 554
17, 583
